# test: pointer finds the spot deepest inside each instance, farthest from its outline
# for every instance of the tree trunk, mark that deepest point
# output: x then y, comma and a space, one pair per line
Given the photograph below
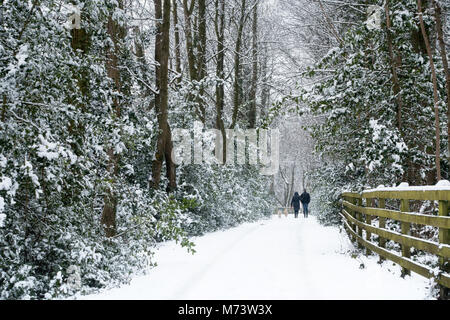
272, 185
116, 33
201, 53
291, 192
187, 9
265, 89
80, 44
219, 24
237, 67
435, 91
304, 179
177, 41
143, 66
159, 155
164, 142
80, 41
196, 51
252, 113
394, 62
440, 34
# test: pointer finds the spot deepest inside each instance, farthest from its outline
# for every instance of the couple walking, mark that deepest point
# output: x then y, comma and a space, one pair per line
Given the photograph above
304, 199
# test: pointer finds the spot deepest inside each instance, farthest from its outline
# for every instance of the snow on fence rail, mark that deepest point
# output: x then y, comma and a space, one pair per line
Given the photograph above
358, 210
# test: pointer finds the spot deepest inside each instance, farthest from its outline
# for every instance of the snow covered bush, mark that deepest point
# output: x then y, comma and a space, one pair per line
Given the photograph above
53, 163
227, 197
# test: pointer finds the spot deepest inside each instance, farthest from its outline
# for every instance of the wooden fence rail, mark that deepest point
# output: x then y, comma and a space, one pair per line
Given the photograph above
360, 209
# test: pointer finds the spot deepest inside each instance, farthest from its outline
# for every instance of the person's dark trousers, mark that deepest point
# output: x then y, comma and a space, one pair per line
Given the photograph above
305, 210
296, 213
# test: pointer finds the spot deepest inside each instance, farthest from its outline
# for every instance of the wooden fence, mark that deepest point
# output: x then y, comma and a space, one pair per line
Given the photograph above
360, 209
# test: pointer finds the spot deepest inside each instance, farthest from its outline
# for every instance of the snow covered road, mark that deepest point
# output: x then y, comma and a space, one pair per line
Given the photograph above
279, 258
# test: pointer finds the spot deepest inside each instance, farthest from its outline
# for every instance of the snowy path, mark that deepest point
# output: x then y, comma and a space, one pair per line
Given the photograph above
283, 258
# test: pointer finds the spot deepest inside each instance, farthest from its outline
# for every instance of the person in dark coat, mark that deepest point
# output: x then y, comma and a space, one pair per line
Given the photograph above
296, 203
305, 199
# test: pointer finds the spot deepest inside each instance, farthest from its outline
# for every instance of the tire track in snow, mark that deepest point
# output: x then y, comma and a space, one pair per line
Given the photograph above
195, 279
307, 278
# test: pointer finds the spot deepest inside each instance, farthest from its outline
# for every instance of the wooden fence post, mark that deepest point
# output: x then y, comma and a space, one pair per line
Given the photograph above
444, 238
369, 222
359, 217
406, 229
381, 224
353, 214
348, 199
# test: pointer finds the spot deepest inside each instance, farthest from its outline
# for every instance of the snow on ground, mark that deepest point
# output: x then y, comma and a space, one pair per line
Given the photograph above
279, 258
